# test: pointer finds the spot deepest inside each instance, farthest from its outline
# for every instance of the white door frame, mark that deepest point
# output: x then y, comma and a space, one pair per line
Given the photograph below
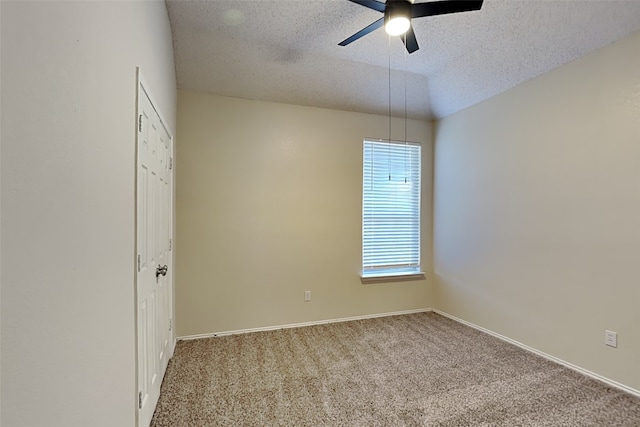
142, 88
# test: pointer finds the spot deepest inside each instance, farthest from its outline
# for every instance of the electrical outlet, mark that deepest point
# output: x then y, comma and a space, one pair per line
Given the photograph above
611, 338
307, 295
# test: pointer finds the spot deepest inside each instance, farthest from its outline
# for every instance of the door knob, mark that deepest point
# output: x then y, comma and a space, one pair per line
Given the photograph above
161, 270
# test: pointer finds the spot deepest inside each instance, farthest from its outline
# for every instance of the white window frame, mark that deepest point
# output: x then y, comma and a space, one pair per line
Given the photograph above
391, 210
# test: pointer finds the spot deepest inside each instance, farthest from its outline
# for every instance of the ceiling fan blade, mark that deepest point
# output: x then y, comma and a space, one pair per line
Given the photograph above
371, 4
418, 10
363, 32
410, 41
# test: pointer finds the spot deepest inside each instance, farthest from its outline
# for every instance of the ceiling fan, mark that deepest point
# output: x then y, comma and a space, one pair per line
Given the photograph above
398, 15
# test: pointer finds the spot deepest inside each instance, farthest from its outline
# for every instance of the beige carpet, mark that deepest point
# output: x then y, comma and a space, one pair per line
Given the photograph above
411, 370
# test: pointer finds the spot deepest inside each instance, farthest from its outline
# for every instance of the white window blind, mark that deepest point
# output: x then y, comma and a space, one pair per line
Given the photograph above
391, 208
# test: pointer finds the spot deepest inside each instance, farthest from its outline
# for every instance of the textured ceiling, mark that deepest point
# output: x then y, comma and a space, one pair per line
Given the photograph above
287, 51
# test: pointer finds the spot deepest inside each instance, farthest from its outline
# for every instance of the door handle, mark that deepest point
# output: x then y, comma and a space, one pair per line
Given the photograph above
161, 270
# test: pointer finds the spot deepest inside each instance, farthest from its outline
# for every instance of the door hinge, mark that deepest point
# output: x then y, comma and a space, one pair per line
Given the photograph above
170, 244
139, 400
138, 263
170, 163
170, 324
140, 123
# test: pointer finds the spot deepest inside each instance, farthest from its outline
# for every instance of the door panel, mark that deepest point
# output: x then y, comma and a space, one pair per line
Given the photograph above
154, 231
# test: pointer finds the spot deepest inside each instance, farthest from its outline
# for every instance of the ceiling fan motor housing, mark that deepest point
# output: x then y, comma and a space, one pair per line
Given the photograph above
397, 8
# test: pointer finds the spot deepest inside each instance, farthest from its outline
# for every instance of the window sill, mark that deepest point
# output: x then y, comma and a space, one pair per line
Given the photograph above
398, 277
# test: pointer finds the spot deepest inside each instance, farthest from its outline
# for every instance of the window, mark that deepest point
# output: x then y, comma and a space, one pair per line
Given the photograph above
390, 209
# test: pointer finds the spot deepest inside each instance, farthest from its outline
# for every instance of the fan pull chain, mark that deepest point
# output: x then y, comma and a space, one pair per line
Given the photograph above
389, 140
405, 109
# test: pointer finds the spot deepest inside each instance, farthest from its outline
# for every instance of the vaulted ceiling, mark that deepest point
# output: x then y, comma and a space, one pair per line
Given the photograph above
287, 51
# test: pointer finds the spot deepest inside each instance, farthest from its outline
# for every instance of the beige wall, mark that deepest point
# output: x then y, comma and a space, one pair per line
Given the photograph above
269, 200
537, 212
68, 193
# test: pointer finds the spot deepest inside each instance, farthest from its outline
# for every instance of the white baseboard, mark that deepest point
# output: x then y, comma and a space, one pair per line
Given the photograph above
583, 371
300, 325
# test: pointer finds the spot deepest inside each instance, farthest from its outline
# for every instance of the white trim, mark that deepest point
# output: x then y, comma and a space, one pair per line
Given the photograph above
388, 277
396, 141
571, 366
301, 325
